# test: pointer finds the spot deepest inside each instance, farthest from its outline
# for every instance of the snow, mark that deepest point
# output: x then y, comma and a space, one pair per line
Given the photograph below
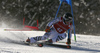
10, 42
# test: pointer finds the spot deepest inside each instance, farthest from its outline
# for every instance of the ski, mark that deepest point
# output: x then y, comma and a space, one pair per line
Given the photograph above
43, 43
55, 45
60, 46
37, 44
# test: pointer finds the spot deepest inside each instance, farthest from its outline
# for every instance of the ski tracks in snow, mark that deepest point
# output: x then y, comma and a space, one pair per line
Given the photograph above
10, 42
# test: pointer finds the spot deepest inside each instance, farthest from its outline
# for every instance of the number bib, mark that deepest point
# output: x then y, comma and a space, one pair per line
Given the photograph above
61, 27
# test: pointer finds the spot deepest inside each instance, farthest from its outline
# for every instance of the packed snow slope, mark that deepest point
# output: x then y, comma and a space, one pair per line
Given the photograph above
11, 42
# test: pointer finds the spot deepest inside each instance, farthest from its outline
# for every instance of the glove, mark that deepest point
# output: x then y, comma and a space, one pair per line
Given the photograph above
47, 29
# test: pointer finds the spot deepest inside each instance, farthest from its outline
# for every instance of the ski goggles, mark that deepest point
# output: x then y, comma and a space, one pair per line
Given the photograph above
68, 19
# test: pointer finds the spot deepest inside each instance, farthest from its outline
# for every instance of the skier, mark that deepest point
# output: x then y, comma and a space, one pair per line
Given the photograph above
55, 30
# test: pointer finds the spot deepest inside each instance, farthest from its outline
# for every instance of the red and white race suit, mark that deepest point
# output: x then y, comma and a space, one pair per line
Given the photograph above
57, 31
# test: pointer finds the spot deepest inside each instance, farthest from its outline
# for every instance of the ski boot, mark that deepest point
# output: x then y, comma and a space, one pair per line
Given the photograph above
46, 42
28, 40
68, 43
49, 41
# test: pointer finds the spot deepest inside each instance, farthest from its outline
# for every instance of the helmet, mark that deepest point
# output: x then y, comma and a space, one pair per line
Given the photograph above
67, 17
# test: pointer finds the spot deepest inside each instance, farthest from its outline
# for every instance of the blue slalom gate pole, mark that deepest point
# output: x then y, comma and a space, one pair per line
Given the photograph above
70, 3
73, 21
58, 9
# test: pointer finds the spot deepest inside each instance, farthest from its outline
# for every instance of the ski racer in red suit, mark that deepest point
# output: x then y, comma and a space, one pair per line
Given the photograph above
55, 30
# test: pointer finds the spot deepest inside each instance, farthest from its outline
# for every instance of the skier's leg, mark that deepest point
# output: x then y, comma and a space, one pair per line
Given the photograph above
69, 37
38, 38
58, 37
61, 37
